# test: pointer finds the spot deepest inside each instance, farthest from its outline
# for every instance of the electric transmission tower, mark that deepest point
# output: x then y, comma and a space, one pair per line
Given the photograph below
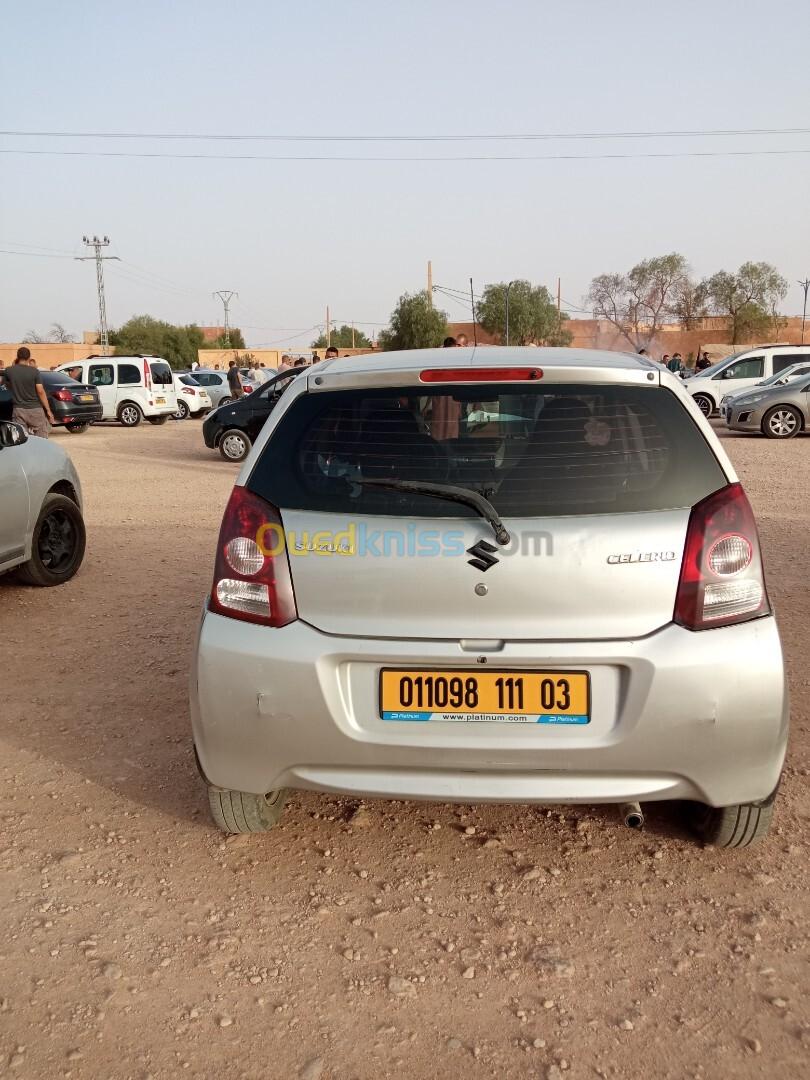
97, 244
226, 296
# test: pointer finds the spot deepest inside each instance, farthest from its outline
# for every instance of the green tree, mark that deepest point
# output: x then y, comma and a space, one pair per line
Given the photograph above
749, 297
343, 338
414, 324
143, 334
235, 338
637, 303
532, 314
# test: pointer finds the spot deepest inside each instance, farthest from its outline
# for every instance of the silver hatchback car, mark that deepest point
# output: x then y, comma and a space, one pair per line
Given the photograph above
779, 412
520, 575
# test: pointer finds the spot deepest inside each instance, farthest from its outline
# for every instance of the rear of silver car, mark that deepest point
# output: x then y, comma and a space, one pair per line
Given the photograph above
601, 633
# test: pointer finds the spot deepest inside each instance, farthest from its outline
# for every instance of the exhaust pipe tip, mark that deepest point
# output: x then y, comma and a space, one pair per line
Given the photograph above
632, 815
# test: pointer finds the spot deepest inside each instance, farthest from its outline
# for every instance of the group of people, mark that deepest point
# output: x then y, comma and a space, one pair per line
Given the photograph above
675, 363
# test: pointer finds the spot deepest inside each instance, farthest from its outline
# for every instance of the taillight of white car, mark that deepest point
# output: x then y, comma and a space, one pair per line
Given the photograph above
722, 580
252, 579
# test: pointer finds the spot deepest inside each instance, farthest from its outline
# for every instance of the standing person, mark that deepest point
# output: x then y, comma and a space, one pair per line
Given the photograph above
285, 364
665, 359
300, 362
449, 343
235, 380
331, 353
676, 363
31, 407
195, 365
703, 362
462, 341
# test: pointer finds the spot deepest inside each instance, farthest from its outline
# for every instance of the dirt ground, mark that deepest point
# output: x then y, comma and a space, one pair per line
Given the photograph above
357, 940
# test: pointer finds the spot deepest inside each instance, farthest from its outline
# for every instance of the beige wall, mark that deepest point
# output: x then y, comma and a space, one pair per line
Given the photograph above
47, 355
271, 358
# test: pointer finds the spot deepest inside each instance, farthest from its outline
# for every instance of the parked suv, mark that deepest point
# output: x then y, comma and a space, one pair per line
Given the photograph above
131, 388
526, 577
741, 370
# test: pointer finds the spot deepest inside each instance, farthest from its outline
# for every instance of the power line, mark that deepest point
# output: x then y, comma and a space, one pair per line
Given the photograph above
401, 160
35, 254
542, 137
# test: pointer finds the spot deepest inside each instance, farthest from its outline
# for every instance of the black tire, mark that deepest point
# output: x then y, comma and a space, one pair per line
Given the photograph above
234, 445
705, 404
225, 401
129, 414
158, 421
241, 812
182, 412
76, 429
733, 826
58, 543
782, 422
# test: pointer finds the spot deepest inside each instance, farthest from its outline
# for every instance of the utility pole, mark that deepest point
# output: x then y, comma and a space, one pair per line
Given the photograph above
430, 283
225, 295
328, 328
805, 285
559, 312
352, 335
508, 287
472, 303
97, 244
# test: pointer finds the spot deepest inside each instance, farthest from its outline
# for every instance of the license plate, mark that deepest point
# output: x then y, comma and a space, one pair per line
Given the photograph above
160, 400
85, 397
499, 697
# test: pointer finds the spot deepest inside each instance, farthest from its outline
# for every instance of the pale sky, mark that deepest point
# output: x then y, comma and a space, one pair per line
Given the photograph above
293, 236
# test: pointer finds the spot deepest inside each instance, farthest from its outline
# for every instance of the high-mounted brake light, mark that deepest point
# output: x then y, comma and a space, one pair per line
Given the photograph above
252, 579
721, 581
476, 374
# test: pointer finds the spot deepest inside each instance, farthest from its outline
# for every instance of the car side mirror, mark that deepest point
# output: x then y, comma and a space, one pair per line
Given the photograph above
12, 434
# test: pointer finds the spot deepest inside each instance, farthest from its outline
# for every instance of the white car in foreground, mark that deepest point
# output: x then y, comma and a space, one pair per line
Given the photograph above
42, 532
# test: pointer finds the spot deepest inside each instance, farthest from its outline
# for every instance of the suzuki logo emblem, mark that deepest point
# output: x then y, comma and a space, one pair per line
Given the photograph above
482, 559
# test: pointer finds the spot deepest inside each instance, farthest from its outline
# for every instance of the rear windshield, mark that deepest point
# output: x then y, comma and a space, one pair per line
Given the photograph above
573, 449
161, 373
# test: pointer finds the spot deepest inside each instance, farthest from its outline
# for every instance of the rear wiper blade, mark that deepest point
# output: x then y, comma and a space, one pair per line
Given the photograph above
452, 494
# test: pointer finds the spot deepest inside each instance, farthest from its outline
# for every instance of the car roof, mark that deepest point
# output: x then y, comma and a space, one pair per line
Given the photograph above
501, 356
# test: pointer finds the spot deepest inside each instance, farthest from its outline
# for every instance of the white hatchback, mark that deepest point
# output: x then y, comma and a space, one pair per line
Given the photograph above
740, 371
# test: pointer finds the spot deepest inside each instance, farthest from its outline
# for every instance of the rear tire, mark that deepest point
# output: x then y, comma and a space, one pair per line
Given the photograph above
782, 422
158, 421
58, 543
182, 411
129, 414
76, 429
242, 812
705, 404
733, 826
225, 401
234, 445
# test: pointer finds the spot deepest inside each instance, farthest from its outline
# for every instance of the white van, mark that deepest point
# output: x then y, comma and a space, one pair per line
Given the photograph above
741, 370
131, 388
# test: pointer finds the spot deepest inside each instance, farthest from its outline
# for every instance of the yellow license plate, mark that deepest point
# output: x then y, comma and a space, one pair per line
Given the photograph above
86, 397
500, 697
160, 400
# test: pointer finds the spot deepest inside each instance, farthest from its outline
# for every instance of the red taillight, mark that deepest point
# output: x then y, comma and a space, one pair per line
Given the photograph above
147, 375
188, 390
476, 374
62, 395
722, 581
252, 579
247, 389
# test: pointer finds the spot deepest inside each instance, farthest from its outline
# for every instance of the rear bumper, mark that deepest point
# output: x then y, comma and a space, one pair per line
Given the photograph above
675, 715
66, 413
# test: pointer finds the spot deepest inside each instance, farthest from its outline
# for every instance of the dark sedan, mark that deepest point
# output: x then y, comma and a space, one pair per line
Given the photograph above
74, 405
232, 429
